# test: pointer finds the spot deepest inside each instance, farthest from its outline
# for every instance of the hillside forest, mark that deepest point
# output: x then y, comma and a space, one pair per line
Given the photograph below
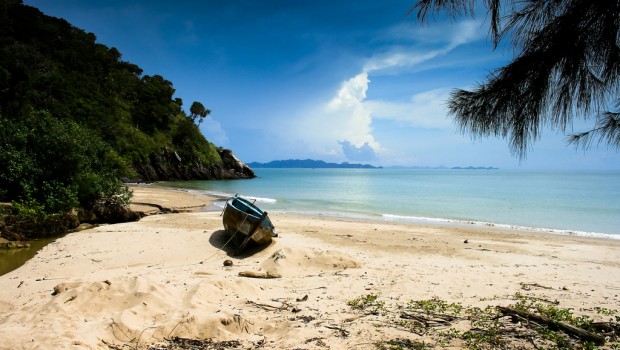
76, 120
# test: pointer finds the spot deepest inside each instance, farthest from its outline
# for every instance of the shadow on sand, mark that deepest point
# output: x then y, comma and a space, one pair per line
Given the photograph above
219, 238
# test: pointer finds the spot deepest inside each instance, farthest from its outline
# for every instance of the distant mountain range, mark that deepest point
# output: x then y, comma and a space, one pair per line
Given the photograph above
308, 163
318, 164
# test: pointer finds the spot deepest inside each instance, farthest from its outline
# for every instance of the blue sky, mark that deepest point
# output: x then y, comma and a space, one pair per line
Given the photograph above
351, 80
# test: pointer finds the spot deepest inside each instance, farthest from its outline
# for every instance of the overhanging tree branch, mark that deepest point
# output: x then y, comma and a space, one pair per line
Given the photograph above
607, 131
566, 65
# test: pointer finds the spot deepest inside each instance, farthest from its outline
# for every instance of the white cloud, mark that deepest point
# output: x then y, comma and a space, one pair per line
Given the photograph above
403, 57
212, 129
351, 92
349, 114
343, 126
424, 110
344, 117
434, 33
363, 153
466, 31
454, 33
398, 58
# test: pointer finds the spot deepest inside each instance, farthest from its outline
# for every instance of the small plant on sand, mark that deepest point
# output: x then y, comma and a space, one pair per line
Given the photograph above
485, 328
402, 344
367, 303
529, 323
559, 319
607, 312
435, 306
445, 337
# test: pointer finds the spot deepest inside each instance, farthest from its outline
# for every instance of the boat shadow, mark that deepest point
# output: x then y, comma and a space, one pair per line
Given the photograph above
219, 240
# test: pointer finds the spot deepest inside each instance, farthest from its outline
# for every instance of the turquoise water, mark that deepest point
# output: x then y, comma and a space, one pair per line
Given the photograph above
582, 202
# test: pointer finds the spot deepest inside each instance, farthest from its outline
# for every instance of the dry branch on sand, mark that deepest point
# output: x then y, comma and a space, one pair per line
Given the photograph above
258, 274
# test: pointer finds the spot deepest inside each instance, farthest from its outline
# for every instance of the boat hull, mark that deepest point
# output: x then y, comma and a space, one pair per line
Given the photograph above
245, 223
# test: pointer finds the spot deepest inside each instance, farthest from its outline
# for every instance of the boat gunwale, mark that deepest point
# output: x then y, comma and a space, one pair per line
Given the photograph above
256, 211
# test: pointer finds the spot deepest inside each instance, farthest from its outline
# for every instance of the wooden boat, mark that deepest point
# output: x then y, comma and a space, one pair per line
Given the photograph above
244, 222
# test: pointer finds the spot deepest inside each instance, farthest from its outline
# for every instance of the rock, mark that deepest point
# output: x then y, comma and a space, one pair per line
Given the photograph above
109, 213
169, 166
233, 163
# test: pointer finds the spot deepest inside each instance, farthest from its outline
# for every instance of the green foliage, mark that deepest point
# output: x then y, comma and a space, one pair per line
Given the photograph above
367, 302
154, 108
189, 143
435, 305
557, 315
75, 118
452, 325
197, 110
56, 165
33, 221
402, 344
46, 64
551, 81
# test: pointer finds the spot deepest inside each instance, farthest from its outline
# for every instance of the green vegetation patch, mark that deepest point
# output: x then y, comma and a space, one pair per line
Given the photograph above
75, 119
529, 323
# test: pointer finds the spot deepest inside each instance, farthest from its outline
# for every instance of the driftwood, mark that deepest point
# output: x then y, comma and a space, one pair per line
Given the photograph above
256, 274
343, 332
428, 321
268, 307
568, 328
527, 286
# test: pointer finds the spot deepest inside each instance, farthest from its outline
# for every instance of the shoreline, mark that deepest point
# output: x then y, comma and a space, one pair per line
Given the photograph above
401, 219
563, 201
449, 223
135, 284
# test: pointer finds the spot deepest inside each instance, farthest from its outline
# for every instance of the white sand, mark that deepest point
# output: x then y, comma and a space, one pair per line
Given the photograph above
135, 284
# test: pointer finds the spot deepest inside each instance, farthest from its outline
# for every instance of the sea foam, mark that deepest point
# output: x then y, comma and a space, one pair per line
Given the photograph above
417, 219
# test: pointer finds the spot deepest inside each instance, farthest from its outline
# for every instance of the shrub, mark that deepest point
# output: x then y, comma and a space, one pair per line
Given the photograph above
56, 165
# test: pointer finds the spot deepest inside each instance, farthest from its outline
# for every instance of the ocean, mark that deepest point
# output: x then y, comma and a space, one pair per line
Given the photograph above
566, 202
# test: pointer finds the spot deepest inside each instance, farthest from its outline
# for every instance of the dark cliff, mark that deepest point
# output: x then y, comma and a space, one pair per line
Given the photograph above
168, 165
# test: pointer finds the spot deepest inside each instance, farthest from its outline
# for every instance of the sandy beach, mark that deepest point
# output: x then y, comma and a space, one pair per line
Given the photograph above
135, 284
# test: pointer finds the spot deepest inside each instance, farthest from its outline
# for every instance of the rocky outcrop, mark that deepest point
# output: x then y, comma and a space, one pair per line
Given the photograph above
234, 165
108, 213
168, 166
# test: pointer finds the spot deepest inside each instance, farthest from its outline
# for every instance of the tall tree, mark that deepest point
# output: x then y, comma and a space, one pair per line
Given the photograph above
198, 111
566, 66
